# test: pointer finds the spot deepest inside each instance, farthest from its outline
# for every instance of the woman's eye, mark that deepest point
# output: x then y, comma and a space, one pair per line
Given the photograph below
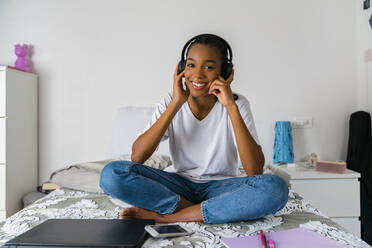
206, 67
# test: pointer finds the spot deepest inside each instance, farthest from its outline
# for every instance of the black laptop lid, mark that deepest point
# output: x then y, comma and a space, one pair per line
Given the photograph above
84, 233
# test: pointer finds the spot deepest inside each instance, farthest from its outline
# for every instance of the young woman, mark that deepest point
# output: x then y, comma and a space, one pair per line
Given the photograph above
207, 126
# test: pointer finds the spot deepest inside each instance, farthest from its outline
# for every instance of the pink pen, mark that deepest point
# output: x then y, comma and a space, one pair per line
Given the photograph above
263, 240
271, 244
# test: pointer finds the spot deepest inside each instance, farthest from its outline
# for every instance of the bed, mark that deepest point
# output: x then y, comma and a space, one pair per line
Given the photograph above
81, 198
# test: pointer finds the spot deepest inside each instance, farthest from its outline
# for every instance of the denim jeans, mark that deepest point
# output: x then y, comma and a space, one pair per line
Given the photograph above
222, 201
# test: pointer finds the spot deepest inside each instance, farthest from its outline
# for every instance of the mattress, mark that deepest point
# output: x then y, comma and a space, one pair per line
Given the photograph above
75, 204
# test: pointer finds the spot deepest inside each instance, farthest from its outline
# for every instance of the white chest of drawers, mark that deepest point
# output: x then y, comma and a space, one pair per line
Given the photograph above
335, 195
18, 138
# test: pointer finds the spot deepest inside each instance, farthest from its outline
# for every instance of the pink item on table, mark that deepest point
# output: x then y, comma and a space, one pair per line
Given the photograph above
21, 62
331, 166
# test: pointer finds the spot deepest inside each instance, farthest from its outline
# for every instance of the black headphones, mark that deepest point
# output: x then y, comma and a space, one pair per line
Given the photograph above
227, 65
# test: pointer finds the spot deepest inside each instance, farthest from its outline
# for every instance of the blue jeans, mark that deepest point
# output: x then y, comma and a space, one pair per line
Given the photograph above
222, 201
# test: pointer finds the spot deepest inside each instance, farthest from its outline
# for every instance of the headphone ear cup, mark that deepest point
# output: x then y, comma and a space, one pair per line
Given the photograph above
181, 66
226, 70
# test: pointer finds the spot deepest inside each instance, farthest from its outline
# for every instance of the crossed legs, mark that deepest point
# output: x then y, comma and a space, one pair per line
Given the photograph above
167, 197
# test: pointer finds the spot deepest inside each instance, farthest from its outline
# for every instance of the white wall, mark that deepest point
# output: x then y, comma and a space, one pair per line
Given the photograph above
292, 58
364, 43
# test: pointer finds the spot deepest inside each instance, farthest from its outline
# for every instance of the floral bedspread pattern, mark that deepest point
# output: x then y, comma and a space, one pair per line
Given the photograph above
66, 203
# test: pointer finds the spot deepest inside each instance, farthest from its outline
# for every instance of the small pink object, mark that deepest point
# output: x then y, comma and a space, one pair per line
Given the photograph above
368, 56
21, 62
271, 244
331, 166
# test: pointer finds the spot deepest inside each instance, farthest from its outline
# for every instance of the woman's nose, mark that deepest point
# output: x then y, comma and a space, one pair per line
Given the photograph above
199, 72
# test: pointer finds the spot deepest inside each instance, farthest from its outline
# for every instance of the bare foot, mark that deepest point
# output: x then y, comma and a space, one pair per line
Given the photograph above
192, 213
139, 213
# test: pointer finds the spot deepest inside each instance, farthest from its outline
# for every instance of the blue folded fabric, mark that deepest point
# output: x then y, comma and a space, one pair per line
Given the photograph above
283, 145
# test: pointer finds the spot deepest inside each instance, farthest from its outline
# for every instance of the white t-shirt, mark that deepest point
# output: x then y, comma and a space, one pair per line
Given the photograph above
203, 150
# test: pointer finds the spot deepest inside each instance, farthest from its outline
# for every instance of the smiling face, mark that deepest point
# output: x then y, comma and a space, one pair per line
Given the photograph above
203, 66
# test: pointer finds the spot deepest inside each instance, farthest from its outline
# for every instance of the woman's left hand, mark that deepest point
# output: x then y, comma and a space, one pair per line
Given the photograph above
221, 89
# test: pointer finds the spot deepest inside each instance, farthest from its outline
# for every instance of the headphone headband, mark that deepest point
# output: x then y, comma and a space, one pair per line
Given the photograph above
192, 40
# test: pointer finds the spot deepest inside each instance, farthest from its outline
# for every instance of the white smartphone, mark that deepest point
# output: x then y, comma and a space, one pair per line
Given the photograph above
167, 230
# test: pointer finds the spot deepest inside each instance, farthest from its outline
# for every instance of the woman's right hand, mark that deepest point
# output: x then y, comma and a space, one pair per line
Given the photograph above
180, 95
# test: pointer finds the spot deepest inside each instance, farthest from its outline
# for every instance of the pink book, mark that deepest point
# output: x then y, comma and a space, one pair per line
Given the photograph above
331, 166
292, 238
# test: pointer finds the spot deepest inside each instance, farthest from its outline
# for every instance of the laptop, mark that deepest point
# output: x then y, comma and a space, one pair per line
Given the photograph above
84, 233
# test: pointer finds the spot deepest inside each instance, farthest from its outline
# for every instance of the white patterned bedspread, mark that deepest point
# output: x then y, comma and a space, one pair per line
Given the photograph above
66, 203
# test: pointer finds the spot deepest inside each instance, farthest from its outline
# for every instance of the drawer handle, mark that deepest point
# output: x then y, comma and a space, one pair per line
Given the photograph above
4, 117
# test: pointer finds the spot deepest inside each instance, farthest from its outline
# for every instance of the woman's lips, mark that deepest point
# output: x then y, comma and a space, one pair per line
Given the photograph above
198, 86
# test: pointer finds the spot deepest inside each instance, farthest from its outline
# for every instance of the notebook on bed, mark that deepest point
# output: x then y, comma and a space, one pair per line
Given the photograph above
84, 233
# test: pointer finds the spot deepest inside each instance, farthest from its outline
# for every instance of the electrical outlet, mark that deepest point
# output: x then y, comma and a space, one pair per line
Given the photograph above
302, 122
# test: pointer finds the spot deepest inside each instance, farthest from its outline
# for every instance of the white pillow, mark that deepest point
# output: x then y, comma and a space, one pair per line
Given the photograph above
86, 176
83, 176
129, 122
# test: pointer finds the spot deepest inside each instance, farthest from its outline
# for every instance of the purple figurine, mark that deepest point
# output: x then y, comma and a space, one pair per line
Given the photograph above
21, 62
